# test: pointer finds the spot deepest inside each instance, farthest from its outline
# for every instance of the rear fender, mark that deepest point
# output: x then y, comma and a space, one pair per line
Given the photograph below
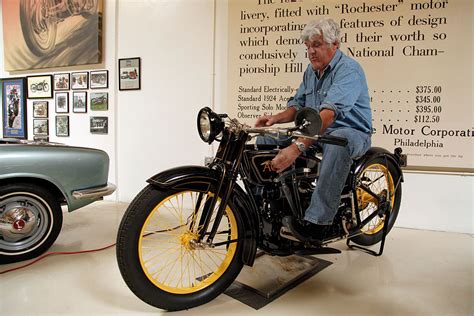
371, 154
190, 177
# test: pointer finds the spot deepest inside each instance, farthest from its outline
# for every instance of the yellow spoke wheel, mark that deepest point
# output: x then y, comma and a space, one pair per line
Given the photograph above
159, 252
380, 177
169, 251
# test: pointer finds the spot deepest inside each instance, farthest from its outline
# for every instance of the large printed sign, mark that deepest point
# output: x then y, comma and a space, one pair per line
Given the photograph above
417, 57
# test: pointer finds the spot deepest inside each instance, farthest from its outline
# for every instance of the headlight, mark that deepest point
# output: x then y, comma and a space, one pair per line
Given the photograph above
209, 125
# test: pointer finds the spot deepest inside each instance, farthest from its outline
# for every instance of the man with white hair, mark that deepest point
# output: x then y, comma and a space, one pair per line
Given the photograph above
334, 85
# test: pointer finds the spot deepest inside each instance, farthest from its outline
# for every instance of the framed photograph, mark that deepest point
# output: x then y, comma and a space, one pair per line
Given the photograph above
79, 102
99, 125
40, 127
40, 87
62, 125
34, 40
14, 108
61, 82
40, 109
99, 79
62, 102
129, 73
79, 80
99, 101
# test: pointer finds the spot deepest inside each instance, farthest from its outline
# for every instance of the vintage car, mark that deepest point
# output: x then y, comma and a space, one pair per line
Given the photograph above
36, 179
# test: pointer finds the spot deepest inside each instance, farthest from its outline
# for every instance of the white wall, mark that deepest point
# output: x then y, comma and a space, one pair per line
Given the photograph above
157, 124
155, 128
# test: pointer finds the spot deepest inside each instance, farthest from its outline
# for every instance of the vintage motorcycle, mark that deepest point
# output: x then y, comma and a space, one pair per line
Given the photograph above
40, 86
186, 236
39, 20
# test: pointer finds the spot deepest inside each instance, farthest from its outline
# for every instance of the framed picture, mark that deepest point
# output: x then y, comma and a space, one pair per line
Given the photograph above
79, 80
99, 125
40, 109
40, 87
99, 79
62, 125
61, 82
99, 101
34, 38
40, 127
79, 102
14, 108
62, 102
129, 73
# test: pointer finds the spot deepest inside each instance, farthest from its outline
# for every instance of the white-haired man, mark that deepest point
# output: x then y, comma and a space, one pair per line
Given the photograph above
335, 85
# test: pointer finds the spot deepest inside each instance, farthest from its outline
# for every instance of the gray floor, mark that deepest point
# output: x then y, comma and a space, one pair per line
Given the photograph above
420, 273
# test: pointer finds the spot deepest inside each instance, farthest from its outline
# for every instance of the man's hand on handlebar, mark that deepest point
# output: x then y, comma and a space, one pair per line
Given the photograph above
265, 120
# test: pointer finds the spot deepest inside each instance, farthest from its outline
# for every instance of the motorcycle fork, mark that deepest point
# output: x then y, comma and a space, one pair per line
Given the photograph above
228, 161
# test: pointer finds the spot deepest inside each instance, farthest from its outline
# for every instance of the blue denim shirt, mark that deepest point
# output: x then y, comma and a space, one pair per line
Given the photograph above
342, 88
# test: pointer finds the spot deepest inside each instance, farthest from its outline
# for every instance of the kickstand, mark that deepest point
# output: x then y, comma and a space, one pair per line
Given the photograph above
384, 234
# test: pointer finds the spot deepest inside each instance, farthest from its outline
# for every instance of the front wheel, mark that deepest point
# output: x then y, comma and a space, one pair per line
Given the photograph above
30, 221
159, 254
381, 176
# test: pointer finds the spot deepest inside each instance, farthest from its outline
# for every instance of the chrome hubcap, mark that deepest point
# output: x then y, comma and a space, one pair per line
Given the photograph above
17, 222
25, 222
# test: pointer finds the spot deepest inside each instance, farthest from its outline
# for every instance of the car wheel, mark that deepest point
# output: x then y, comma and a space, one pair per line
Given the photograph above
30, 221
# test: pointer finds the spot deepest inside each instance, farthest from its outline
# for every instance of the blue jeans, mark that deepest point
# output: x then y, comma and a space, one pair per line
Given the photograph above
333, 172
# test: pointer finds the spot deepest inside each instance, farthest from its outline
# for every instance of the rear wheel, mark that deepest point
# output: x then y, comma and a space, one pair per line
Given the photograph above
160, 257
380, 176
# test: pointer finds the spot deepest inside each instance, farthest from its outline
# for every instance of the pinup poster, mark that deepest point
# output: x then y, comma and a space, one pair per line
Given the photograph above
46, 34
14, 109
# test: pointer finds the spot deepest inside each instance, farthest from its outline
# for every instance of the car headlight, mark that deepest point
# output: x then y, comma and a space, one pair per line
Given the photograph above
209, 125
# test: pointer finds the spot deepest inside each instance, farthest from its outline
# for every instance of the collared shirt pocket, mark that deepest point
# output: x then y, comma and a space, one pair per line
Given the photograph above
310, 97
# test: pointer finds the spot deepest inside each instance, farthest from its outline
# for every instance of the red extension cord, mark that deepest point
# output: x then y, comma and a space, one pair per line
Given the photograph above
55, 253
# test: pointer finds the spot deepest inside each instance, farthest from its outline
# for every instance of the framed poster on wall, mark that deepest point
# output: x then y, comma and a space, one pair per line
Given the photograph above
62, 125
14, 108
40, 87
61, 81
49, 34
129, 73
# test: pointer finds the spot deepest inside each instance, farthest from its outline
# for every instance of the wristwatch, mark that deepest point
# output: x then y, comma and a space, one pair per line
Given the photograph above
301, 146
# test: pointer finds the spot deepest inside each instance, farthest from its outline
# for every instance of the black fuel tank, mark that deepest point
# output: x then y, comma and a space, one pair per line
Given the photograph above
260, 162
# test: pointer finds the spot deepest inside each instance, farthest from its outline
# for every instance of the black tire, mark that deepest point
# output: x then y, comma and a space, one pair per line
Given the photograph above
144, 263
386, 176
41, 38
31, 219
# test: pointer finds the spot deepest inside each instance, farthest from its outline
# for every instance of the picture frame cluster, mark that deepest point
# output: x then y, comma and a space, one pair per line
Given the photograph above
74, 92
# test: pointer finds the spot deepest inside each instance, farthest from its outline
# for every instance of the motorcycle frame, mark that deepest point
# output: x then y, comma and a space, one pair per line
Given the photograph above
230, 162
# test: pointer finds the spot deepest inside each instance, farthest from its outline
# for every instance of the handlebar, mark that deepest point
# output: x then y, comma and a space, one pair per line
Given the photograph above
294, 133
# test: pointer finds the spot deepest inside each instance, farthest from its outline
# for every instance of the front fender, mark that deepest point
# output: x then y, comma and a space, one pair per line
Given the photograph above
187, 177
182, 177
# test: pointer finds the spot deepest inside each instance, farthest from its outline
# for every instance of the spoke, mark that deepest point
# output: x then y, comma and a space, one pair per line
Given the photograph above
173, 241
217, 265
174, 264
210, 269
160, 254
191, 254
147, 237
163, 267
172, 210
